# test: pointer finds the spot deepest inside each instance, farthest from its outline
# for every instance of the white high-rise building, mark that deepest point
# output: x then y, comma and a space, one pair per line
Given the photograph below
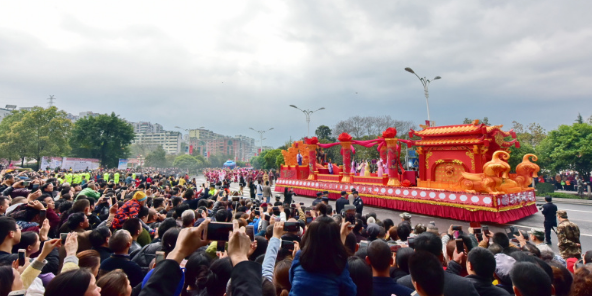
170, 141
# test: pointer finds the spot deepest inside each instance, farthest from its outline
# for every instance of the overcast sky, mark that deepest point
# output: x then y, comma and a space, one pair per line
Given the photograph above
231, 65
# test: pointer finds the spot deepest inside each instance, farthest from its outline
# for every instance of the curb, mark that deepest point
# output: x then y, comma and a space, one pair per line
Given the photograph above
566, 201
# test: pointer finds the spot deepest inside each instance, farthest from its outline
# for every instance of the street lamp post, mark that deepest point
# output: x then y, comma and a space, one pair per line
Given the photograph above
425, 82
261, 132
307, 113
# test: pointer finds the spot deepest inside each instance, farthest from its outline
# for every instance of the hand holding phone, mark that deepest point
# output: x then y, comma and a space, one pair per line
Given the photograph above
219, 231
291, 226
21, 257
460, 246
159, 257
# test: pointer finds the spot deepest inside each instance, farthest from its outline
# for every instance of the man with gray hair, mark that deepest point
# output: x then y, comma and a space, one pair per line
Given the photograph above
188, 218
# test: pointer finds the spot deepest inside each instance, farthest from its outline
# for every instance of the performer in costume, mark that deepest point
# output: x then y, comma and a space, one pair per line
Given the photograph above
299, 158
366, 169
330, 167
380, 170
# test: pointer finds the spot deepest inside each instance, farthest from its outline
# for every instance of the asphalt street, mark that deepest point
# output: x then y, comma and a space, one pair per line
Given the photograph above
579, 214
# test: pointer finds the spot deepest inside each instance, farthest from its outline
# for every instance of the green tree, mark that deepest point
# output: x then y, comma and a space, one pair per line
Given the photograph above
516, 154
568, 147
169, 159
279, 161
324, 132
186, 161
184, 147
579, 119
106, 137
333, 153
533, 134
14, 141
270, 158
156, 158
255, 162
141, 149
469, 121
48, 131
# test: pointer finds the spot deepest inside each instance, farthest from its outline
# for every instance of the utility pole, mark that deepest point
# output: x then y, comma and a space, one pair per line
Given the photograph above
51, 99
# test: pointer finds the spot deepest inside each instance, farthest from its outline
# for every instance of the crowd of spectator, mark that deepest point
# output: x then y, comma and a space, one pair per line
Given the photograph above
166, 235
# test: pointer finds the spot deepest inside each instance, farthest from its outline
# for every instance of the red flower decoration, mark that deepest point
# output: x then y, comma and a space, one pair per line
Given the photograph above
312, 140
390, 132
344, 137
406, 183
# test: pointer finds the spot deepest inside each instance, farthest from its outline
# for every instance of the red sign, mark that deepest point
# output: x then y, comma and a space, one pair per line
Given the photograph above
190, 149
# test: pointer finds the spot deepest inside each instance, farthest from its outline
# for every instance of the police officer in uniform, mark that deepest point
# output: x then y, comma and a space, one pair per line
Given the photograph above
568, 235
318, 199
341, 202
358, 202
549, 211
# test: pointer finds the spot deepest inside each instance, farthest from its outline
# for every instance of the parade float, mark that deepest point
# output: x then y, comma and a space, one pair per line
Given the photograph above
463, 173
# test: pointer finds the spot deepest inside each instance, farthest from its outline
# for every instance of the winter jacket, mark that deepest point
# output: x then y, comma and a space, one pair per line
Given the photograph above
145, 255
485, 287
130, 209
319, 284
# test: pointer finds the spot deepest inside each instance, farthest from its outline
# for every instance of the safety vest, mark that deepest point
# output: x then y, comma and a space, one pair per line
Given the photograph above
78, 178
134, 176
116, 178
106, 177
69, 178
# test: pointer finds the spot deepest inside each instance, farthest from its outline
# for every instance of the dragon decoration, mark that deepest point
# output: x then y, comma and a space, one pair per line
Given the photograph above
496, 178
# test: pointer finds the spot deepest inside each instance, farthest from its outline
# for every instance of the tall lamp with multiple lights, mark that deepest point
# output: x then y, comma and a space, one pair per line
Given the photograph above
425, 82
307, 113
261, 132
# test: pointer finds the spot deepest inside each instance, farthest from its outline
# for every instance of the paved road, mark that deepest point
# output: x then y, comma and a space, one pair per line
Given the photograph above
579, 214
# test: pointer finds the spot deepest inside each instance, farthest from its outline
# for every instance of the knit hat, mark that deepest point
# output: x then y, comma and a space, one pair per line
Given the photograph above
139, 196
503, 265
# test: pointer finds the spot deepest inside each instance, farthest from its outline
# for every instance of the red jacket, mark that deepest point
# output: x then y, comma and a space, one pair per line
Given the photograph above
130, 209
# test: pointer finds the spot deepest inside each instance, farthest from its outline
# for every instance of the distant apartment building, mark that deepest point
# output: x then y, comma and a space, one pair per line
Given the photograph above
170, 141
87, 113
6, 111
239, 148
203, 134
144, 127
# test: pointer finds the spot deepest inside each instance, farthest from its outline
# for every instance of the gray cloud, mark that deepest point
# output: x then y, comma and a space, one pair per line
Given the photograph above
525, 61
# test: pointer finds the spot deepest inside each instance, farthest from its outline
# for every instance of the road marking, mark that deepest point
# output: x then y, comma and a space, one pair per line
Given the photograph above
577, 211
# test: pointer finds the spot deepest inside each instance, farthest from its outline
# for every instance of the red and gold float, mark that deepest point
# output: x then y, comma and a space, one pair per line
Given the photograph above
463, 173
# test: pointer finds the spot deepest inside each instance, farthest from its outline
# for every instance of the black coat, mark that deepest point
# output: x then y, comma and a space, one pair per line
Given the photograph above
454, 285
550, 213
245, 279
340, 203
485, 288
